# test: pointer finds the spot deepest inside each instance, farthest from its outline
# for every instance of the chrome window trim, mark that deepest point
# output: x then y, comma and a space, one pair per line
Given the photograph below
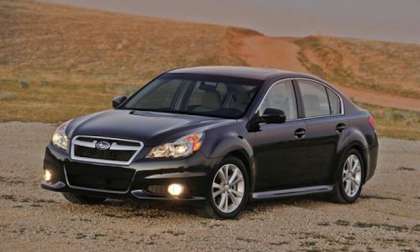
114, 146
312, 80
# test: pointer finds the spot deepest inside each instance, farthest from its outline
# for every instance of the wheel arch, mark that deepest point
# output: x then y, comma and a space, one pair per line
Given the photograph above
236, 146
360, 145
242, 155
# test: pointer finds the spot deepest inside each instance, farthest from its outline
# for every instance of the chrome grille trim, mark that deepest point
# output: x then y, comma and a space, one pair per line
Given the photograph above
114, 146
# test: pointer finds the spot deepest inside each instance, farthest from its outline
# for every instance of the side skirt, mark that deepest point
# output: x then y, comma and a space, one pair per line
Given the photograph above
292, 192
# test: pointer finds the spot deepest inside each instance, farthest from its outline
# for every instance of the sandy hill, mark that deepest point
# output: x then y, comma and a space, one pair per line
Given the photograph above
57, 62
375, 72
54, 56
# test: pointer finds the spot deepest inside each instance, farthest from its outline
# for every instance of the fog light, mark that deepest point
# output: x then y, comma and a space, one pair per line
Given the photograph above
175, 189
47, 175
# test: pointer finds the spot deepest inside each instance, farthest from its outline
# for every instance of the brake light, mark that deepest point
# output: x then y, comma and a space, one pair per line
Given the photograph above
372, 121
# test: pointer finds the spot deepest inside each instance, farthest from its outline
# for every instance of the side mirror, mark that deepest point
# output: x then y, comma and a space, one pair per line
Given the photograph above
118, 100
272, 115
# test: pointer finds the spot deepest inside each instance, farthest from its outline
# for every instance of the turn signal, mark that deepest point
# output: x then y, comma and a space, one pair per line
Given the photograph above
47, 175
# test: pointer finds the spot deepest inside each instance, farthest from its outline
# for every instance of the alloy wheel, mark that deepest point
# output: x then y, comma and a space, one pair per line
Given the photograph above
352, 175
228, 188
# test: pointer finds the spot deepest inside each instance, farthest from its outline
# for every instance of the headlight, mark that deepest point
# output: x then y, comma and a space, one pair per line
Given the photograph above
60, 138
182, 147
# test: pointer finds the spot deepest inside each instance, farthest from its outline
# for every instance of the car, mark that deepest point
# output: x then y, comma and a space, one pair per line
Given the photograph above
220, 136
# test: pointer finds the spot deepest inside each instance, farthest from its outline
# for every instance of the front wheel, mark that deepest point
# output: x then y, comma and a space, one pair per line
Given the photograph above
228, 190
350, 178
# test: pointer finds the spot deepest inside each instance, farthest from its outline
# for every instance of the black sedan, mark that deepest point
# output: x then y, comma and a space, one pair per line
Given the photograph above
220, 135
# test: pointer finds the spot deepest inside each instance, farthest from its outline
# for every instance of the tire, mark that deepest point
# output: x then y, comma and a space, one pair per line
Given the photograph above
82, 199
234, 194
344, 190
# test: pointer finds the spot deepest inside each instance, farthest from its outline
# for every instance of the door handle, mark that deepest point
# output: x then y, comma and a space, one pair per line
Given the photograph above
300, 133
340, 127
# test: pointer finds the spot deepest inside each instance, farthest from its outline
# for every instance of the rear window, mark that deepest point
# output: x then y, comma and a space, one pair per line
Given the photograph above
315, 99
334, 102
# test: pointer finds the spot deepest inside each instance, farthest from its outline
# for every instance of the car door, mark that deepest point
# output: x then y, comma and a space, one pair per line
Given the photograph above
324, 122
277, 149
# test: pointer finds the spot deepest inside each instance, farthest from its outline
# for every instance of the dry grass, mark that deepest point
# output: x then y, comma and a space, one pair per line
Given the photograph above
59, 62
396, 123
391, 68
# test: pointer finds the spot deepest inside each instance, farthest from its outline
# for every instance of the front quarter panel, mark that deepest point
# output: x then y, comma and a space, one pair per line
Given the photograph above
228, 143
230, 139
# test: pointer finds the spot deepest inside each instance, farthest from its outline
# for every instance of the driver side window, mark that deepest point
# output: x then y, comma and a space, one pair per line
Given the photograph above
281, 96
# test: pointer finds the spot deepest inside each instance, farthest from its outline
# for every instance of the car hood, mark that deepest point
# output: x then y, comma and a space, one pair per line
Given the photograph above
149, 127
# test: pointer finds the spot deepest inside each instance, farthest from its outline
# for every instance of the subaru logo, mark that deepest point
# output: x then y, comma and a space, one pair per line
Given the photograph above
102, 145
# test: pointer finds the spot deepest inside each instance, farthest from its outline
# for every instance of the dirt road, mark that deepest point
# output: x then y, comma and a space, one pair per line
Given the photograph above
386, 218
283, 53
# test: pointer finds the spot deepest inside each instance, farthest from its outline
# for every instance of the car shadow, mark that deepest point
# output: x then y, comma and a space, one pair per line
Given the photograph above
162, 209
146, 208
299, 201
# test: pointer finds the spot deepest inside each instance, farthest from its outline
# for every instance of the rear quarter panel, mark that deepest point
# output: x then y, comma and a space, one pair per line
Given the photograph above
359, 134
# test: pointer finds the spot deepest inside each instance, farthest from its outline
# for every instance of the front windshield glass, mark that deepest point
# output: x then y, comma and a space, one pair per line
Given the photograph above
196, 94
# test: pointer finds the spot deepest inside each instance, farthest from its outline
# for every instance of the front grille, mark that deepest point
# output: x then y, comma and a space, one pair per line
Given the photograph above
106, 178
116, 155
104, 150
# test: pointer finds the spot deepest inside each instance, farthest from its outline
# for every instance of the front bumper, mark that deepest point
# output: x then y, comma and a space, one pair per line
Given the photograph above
143, 179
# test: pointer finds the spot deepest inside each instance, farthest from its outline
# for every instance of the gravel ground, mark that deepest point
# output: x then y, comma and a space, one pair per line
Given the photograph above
386, 218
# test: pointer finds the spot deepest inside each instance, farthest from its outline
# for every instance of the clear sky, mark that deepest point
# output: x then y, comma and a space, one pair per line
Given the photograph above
390, 20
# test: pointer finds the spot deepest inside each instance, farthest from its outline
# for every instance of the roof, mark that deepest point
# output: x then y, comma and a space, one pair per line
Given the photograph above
240, 72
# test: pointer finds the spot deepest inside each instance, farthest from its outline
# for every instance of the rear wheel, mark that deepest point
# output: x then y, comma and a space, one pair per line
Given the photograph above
349, 180
82, 199
228, 192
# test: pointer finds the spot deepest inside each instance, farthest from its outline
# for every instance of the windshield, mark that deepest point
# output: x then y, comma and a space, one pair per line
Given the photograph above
196, 94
